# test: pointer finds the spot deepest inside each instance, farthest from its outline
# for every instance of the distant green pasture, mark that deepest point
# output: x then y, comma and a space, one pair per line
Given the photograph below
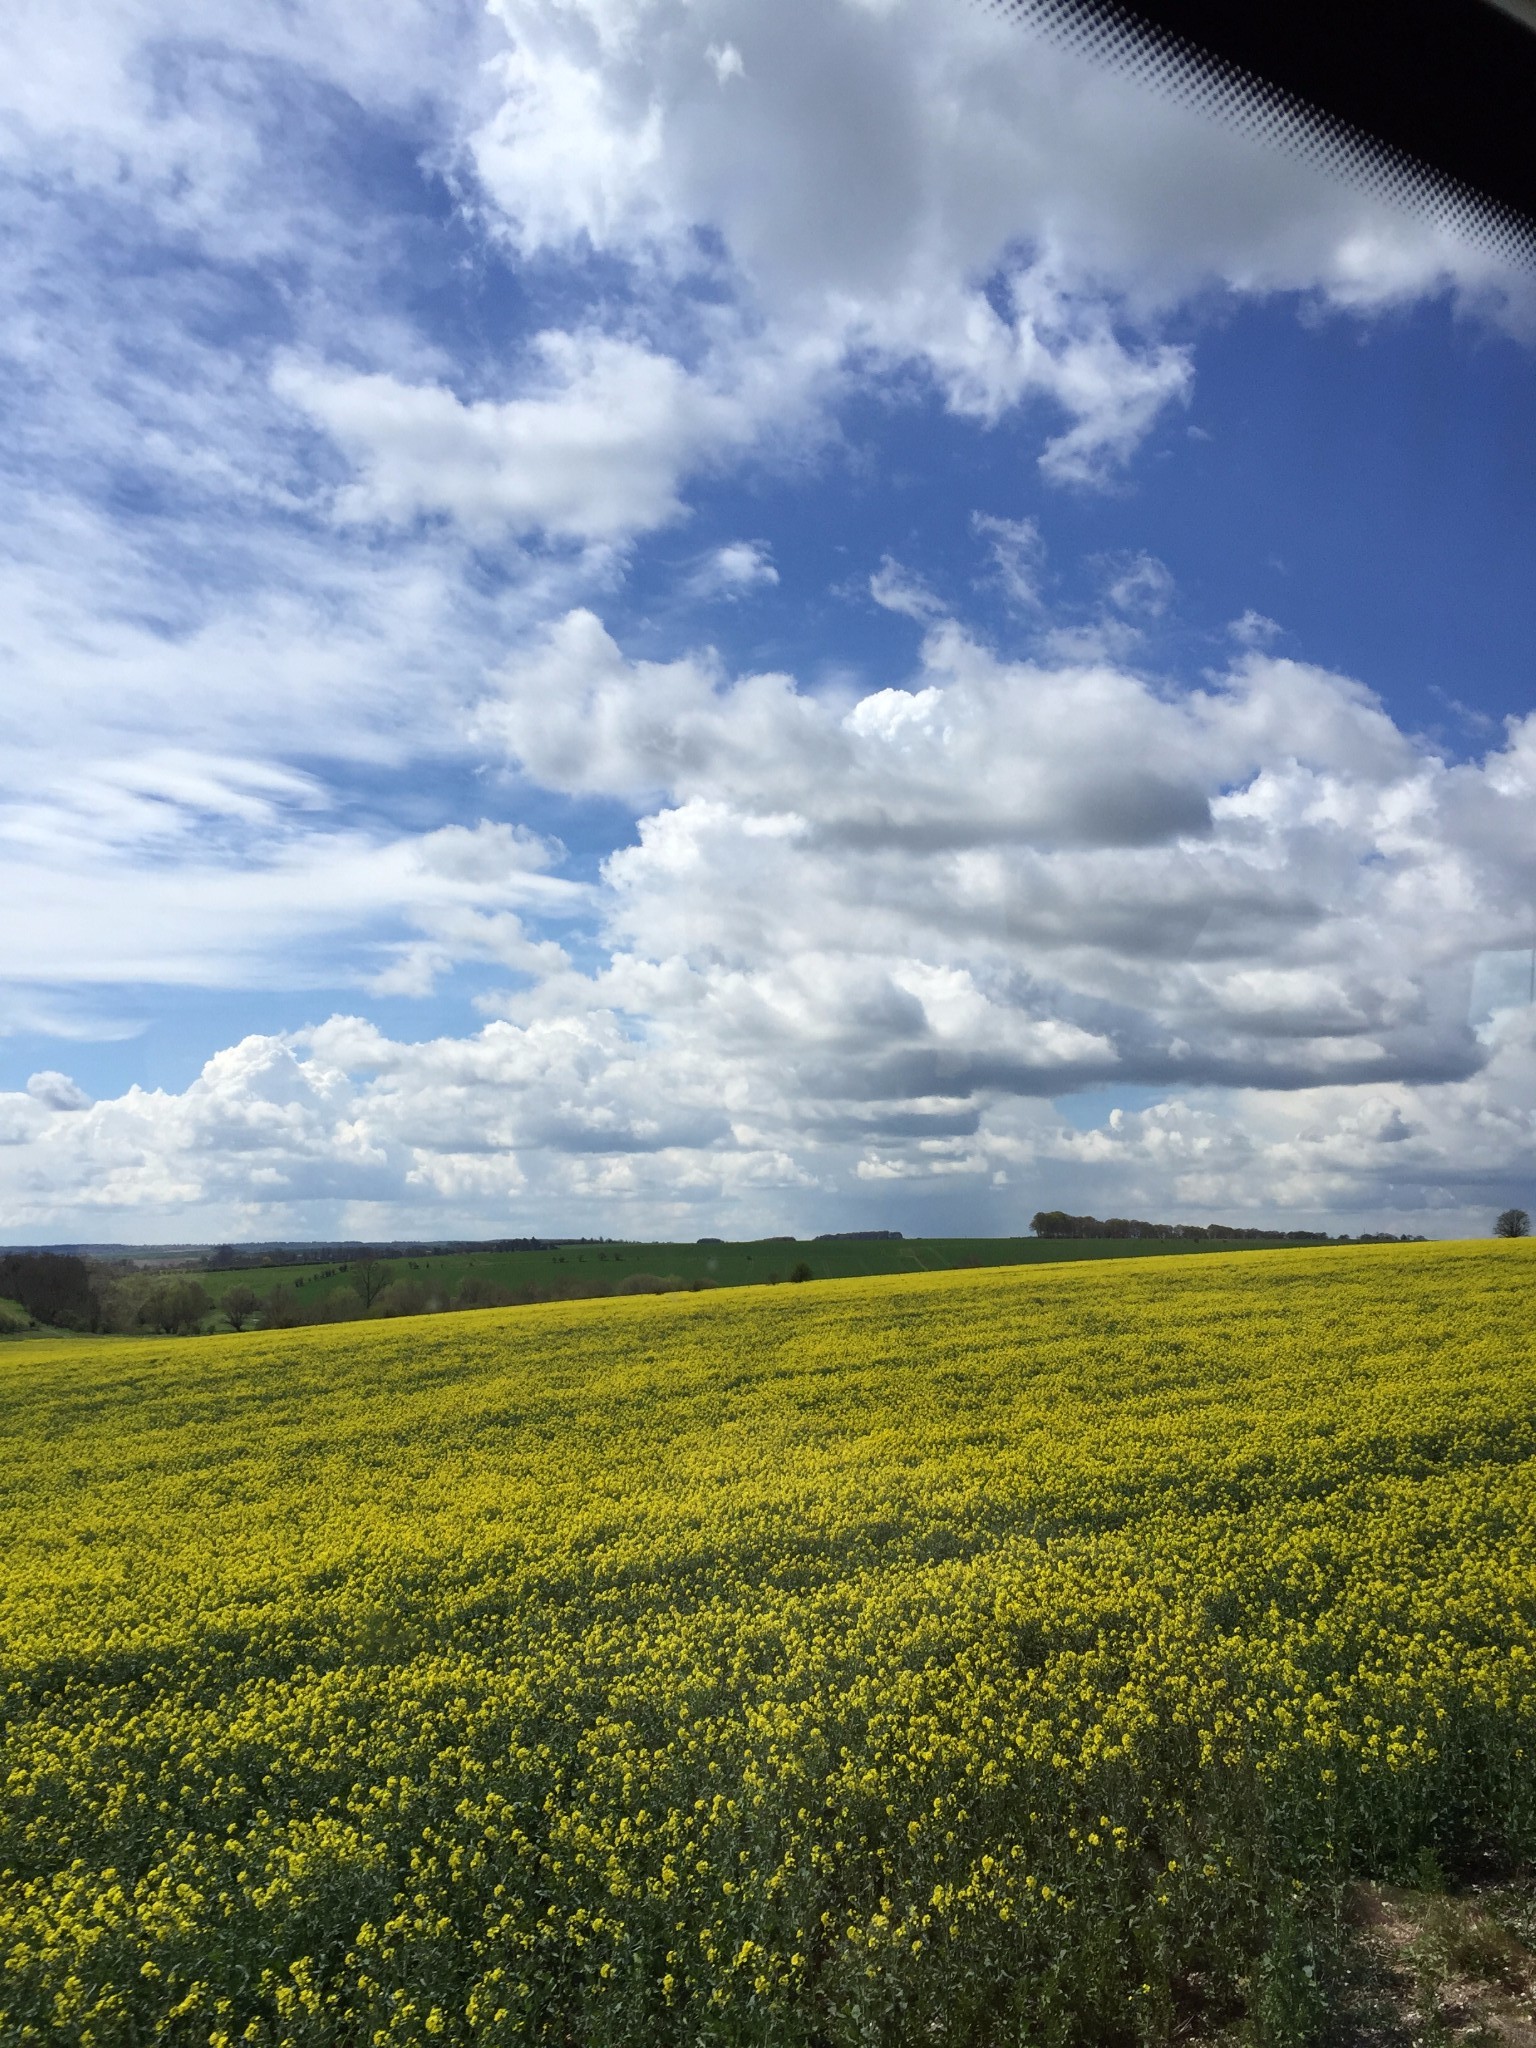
719, 1265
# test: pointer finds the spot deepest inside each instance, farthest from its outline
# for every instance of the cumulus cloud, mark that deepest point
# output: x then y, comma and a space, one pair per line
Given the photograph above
959, 139
594, 452
583, 1118
1446, 1156
57, 1091
866, 941
1262, 881
734, 570
982, 206
1254, 629
341, 1123
581, 719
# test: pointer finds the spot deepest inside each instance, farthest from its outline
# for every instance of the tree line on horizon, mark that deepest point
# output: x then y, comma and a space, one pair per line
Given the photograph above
65, 1291
1056, 1223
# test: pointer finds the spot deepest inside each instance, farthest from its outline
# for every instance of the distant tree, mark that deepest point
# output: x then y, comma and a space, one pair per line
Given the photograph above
221, 1258
478, 1291
801, 1272
370, 1277
175, 1308
341, 1305
400, 1298
53, 1287
1513, 1223
239, 1305
281, 1310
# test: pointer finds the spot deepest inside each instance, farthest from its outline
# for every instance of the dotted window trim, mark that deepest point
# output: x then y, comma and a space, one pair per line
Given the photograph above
1173, 65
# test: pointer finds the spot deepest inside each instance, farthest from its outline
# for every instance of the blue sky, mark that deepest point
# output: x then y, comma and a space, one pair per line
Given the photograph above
639, 618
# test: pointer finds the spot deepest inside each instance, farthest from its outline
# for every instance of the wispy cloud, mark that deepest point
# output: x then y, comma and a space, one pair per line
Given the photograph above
1018, 555
896, 589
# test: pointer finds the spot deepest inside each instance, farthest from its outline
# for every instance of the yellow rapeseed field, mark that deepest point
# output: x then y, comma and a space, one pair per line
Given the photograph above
1012, 1657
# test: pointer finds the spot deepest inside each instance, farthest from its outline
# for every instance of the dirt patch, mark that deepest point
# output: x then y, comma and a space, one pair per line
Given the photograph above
1431, 1968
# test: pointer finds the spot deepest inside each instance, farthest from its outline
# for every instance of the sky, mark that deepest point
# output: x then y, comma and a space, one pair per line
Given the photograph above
669, 617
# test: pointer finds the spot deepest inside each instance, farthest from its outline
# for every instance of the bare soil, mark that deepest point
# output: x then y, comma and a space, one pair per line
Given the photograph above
1427, 1969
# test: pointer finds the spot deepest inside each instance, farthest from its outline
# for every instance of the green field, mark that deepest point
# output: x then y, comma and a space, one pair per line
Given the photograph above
716, 1265
1012, 1659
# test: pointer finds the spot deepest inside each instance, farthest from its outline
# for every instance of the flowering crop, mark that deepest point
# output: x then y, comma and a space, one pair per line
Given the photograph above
1019, 1656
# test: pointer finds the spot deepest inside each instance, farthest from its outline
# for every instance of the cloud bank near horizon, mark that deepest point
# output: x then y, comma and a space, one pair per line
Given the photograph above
862, 945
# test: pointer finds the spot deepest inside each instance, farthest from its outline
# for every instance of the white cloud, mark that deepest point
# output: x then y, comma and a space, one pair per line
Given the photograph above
57, 1091
1437, 1158
1017, 552
1254, 629
1051, 341
734, 570
581, 1120
863, 942
581, 719
341, 1123
139, 895
896, 589
1140, 583
595, 453
955, 133
156, 94
1260, 881
569, 157
958, 140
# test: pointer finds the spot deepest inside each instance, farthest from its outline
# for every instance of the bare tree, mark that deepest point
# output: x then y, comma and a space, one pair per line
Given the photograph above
239, 1305
1513, 1223
370, 1277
